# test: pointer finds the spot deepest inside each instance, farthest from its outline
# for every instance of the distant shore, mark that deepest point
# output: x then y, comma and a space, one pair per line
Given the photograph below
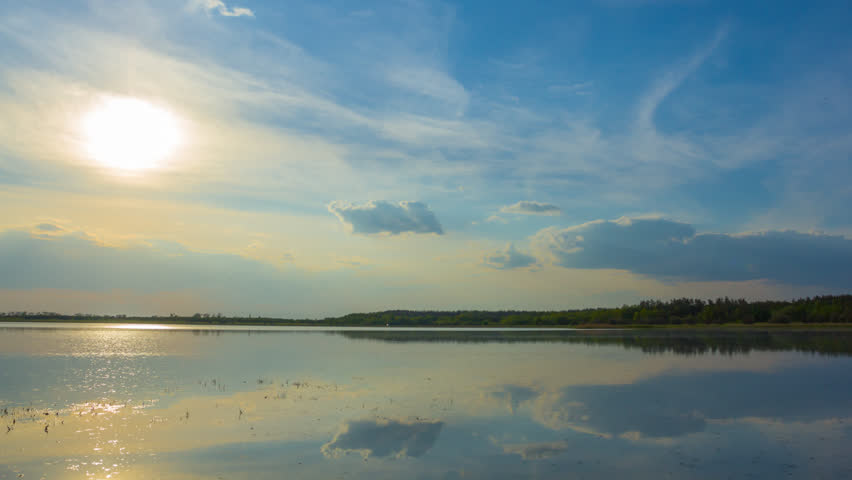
815, 312
321, 324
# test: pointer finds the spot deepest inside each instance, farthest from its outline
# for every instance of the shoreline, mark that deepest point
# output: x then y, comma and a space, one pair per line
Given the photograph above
321, 324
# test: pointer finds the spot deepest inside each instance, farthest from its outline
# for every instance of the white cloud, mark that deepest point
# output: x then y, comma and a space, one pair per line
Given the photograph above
286, 123
673, 78
220, 7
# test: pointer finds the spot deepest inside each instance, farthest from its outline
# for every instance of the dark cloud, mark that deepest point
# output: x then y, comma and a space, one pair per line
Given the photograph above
508, 258
667, 249
528, 207
387, 217
383, 438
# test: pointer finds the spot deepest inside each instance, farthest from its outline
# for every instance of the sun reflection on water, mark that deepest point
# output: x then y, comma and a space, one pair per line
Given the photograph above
142, 326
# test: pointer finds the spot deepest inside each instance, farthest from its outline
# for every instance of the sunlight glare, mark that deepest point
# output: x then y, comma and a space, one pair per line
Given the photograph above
129, 134
142, 326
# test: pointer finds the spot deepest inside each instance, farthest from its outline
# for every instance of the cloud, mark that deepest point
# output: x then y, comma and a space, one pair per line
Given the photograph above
304, 109
672, 250
584, 409
674, 78
77, 260
383, 438
386, 217
48, 227
672, 405
537, 451
352, 262
71, 265
508, 259
528, 207
513, 396
581, 88
496, 219
219, 6
320, 118
431, 83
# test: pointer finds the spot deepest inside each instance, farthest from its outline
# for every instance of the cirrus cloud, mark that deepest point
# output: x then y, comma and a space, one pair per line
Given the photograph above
219, 6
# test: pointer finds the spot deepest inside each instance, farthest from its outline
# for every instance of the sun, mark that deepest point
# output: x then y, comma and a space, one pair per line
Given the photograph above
127, 134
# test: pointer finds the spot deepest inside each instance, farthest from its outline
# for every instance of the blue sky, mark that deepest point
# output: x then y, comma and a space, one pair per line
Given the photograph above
409, 154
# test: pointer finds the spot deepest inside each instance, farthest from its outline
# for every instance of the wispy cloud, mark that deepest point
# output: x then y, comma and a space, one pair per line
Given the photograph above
579, 88
577, 147
435, 84
530, 207
305, 118
220, 7
673, 78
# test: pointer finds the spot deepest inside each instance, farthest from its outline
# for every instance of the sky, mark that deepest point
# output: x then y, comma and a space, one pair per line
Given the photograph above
308, 159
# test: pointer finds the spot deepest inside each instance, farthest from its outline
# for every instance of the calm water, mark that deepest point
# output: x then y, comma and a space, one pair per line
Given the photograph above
91, 401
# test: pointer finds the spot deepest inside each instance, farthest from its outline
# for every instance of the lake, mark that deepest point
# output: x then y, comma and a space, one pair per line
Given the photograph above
106, 401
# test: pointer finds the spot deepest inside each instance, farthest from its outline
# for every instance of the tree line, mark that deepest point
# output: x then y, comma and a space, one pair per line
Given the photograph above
836, 309
681, 311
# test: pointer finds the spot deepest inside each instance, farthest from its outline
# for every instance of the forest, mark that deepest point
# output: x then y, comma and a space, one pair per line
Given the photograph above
677, 312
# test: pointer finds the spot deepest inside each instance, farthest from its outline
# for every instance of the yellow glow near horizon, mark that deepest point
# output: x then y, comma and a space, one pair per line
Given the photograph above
128, 134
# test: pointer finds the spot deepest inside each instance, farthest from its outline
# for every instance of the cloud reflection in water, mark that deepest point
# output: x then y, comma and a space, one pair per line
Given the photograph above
262, 405
384, 438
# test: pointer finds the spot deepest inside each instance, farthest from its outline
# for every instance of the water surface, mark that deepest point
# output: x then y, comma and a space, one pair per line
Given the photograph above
97, 401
